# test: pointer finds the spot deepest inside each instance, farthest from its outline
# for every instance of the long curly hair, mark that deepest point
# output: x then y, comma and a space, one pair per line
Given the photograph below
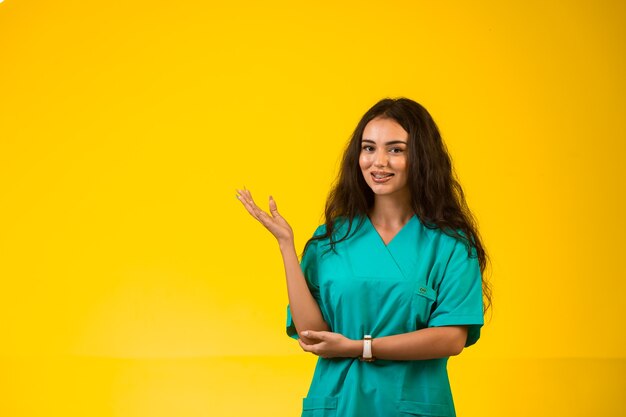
436, 195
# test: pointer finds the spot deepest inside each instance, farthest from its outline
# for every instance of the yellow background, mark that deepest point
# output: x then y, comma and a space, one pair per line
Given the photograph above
134, 284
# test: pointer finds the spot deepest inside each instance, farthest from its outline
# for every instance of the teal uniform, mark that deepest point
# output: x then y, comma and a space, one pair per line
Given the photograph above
422, 278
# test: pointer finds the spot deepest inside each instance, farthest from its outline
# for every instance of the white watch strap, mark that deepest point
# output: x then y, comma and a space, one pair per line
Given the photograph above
367, 346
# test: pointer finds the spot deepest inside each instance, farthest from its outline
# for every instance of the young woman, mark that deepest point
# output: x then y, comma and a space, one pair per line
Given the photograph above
392, 284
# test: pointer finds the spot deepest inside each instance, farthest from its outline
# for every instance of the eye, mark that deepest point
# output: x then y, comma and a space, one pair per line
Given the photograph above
367, 148
396, 150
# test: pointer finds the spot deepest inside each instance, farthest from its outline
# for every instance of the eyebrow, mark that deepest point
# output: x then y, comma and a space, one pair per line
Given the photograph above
391, 142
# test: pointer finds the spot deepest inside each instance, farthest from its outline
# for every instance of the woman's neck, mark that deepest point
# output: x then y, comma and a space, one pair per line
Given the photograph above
391, 211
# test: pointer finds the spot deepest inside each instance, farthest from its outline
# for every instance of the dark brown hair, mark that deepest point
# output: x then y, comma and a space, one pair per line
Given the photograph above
436, 195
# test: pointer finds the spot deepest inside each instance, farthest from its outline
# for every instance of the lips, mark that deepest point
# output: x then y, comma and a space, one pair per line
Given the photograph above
380, 177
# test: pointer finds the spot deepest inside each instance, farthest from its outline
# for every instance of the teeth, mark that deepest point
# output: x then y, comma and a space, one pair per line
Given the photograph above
379, 176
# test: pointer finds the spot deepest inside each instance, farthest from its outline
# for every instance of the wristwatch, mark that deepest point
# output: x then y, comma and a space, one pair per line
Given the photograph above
367, 349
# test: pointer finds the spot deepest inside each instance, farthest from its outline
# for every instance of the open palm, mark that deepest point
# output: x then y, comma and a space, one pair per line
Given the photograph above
274, 222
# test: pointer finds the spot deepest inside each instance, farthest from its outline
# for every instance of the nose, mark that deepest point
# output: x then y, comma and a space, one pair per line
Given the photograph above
381, 159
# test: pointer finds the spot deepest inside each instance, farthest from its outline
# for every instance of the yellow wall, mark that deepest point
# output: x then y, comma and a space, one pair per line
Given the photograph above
134, 284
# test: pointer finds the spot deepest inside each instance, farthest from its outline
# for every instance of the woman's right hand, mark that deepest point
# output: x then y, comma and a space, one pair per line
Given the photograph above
275, 223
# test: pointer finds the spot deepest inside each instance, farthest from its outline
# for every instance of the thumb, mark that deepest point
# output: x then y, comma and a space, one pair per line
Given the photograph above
311, 334
273, 208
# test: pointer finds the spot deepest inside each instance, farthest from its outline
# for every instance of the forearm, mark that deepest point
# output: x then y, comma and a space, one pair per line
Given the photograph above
305, 311
428, 343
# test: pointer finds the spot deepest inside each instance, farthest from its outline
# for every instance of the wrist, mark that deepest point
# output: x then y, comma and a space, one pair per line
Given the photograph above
286, 244
355, 348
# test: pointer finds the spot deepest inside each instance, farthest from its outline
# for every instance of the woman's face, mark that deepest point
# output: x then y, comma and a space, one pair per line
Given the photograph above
383, 158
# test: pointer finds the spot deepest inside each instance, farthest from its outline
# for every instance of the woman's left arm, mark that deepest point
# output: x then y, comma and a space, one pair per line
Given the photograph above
458, 305
427, 343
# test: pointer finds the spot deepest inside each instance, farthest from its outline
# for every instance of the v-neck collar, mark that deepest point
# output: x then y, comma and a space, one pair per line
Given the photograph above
395, 237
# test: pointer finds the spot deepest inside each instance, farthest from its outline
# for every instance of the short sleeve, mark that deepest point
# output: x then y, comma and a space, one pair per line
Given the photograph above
459, 294
308, 264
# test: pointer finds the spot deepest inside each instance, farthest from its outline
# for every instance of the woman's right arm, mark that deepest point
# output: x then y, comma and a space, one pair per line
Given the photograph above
305, 311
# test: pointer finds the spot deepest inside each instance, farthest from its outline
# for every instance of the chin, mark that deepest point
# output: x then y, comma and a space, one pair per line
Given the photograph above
378, 191
386, 190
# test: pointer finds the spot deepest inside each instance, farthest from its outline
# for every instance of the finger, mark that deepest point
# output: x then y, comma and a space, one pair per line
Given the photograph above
241, 196
249, 195
246, 196
305, 347
273, 208
261, 215
249, 206
251, 201
253, 209
314, 349
311, 334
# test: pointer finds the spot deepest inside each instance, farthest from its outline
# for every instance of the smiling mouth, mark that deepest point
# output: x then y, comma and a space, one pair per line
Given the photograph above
381, 177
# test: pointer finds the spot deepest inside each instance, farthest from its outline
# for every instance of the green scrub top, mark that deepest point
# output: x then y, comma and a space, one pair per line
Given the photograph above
422, 278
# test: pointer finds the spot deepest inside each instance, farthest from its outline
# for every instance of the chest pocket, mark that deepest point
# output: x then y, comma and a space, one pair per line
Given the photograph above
423, 300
